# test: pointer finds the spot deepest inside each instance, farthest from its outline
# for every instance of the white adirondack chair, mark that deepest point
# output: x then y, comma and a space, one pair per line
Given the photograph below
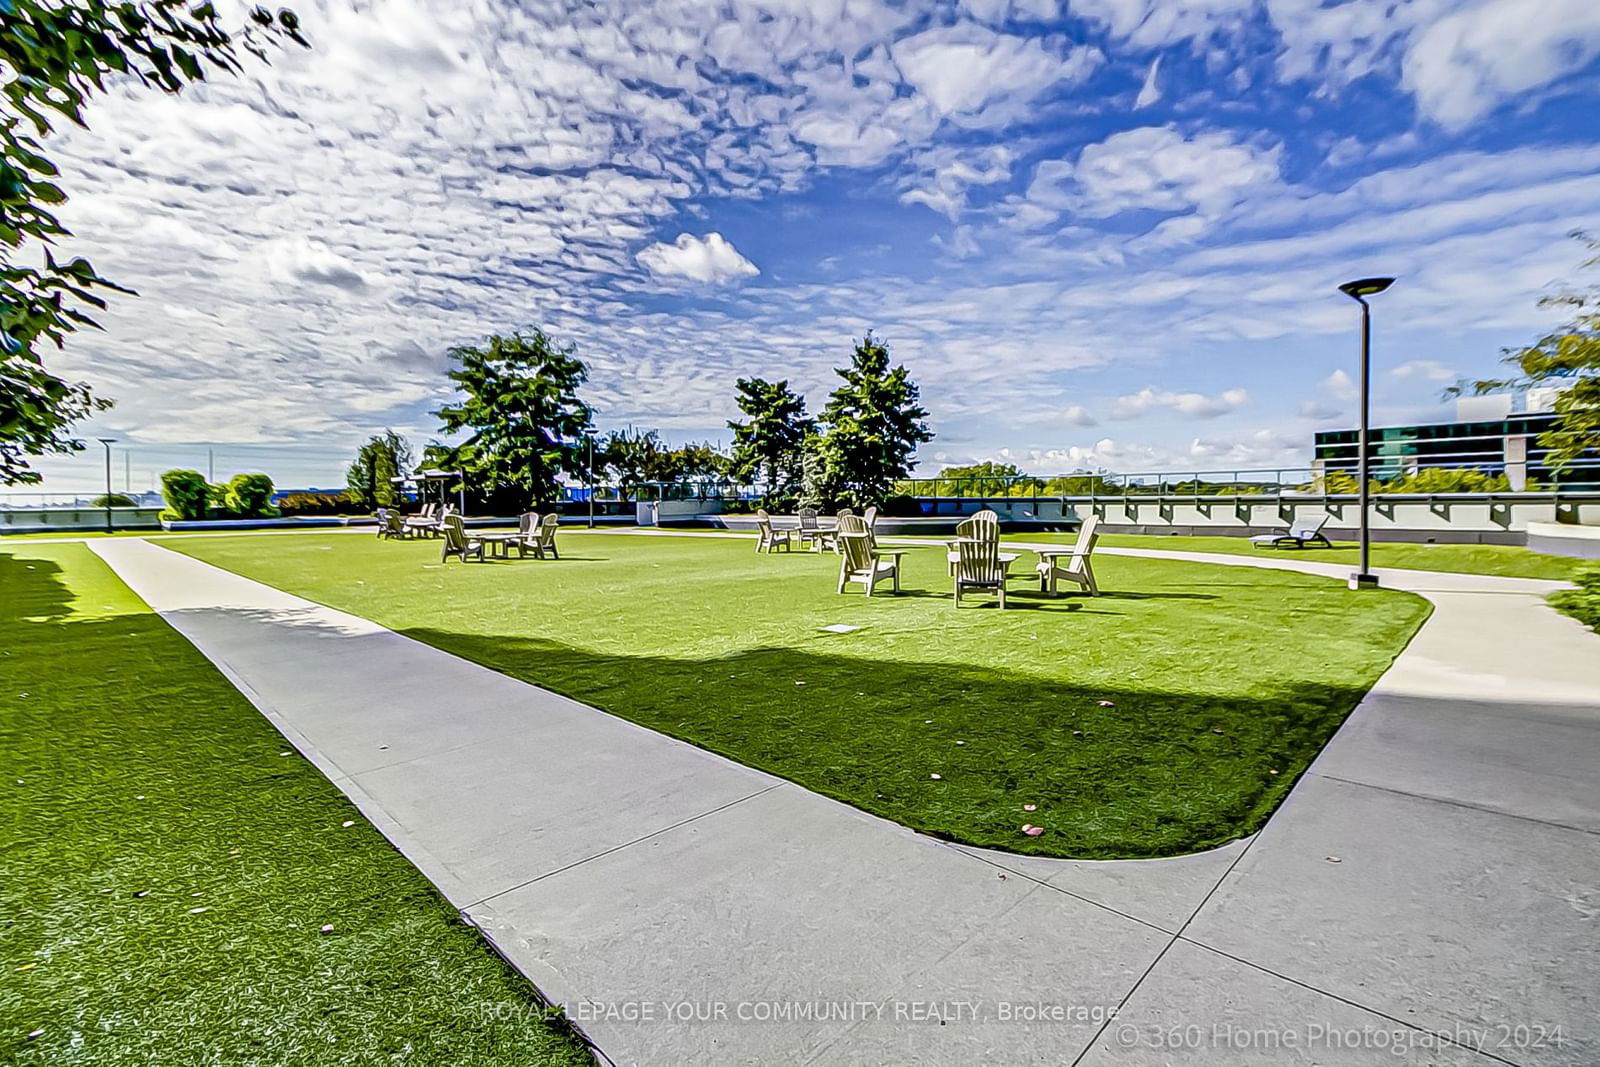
1077, 567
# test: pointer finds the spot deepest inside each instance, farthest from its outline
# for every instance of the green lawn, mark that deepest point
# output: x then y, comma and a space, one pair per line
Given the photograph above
1223, 683
1507, 560
167, 864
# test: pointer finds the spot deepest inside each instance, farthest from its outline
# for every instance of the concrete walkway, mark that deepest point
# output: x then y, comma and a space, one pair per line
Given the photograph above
1431, 886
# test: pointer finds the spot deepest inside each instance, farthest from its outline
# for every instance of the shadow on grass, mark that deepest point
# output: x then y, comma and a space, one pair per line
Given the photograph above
1115, 771
31, 587
143, 781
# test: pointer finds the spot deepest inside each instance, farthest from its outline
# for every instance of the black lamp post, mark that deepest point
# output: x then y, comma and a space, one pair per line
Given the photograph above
1358, 291
589, 439
107, 442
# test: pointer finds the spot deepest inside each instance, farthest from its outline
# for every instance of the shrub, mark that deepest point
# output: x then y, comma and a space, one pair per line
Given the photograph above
115, 500
185, 494
249, 496
1582, 603
317, 504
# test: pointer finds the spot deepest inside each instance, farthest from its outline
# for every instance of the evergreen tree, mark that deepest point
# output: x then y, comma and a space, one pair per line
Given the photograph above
874, 425
767, 445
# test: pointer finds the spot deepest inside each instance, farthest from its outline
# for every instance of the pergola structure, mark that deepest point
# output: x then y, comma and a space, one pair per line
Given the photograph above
430, 478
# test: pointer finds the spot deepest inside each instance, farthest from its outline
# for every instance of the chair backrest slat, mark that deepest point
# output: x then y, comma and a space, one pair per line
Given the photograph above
454, 534
1088, 534
1307, 527
978, 561
856, 544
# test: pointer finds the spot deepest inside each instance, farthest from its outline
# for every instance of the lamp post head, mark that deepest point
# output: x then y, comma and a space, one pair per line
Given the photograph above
1364, 287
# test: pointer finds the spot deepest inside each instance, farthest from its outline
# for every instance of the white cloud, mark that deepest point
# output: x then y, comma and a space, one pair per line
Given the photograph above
1339, 385
969, 71
1154, 168
1150, 91
709, 259
1467, 61
1195, 405
1425, 369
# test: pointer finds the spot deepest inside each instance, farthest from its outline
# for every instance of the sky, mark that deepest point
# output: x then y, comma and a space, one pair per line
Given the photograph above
1100, 233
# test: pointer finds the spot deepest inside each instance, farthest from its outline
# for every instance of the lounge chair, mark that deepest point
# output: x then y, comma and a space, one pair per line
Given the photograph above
540, 538
770, 539
1077, 568
1301, 532
456, 541
979, 564
860, 560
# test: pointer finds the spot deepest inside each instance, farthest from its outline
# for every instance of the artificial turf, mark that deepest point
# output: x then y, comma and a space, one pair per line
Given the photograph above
1509, 561
168, 863
1171, 714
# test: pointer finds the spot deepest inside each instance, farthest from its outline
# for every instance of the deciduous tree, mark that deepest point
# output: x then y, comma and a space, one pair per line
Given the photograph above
369, 481
1569, 356
520, 400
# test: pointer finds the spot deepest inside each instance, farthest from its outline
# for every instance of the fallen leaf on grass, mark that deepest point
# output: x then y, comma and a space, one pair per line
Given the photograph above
327, 928
1032, 831
198, 911
348, 823
1030, 807
1108, 703
936, 777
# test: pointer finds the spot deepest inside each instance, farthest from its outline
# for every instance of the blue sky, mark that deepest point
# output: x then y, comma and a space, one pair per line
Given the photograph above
1101, 234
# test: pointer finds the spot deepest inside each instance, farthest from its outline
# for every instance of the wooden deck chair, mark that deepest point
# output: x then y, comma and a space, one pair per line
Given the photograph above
979, 564
870, 517
810, 534
542, 542
389, 524
1078, 568
770, 539
982, 526
527, 530
424, 521
456, 541
859, 559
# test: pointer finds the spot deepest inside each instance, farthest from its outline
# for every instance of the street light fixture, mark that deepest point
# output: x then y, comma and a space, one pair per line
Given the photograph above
107, 442
1358, 291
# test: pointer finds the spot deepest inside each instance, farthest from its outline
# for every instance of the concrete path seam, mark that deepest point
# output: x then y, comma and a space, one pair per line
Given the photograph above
626, 844
1448, 802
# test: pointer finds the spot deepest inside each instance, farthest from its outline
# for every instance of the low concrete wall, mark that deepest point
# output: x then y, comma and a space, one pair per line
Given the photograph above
76, 519
1462, 518
1564, 539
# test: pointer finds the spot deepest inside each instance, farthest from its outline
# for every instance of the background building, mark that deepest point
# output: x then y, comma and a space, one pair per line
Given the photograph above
1495, 434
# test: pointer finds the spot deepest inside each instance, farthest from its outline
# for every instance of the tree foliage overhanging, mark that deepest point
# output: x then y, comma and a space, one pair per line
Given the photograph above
55, 55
